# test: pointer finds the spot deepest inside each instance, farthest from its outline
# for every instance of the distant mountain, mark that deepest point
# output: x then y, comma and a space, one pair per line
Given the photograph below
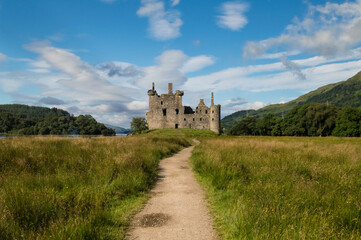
118, 130
342, 94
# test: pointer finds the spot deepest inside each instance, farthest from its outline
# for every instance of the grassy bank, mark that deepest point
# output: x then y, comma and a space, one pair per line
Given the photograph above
55, 188
282, 188
185, 132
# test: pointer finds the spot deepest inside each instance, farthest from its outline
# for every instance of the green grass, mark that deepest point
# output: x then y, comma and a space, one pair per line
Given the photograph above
282, 188
55, 188
183, 132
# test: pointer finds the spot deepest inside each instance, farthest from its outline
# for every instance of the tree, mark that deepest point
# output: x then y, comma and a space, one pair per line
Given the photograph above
108, 132
266, 125
348, 123
247, 126
313, 119
138, 125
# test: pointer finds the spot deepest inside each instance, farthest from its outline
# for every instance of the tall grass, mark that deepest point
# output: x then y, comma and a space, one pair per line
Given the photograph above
282, 188
53, 188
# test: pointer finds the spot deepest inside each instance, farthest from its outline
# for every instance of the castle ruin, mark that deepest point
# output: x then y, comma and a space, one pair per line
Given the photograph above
167, 111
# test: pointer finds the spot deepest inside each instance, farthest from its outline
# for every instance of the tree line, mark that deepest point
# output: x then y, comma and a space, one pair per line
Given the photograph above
313, 119
52, 124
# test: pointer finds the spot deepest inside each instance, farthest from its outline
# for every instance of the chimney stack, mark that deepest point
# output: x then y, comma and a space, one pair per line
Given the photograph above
170, 88
212, 99
153, 86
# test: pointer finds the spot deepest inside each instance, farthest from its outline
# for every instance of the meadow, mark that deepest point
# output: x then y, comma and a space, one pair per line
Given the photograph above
257, 187
282, 187
85, 188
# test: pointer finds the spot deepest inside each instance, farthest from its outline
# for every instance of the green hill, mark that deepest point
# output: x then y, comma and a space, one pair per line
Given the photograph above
342, 94
17, 119
25, 111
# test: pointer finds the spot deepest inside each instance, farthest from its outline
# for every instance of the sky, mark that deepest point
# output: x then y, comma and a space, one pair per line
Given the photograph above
100, 57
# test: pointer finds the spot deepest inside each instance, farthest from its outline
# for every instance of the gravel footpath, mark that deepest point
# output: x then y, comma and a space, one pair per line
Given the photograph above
177, 208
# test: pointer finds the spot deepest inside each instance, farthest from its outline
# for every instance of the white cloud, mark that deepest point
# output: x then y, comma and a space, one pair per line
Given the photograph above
278, 55
9, 85
197, 63
233, 15
238, 104
138, 105
3, 57
255, 105
87, 89
106, 91
269, 77
163, 25
171, 67
39, 64
327, 30
175, 2
166, 70
39, 70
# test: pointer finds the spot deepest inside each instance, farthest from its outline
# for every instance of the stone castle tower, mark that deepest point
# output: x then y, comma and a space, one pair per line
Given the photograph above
167, 111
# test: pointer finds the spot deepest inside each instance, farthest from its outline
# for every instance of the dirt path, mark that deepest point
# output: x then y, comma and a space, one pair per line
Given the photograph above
177, 208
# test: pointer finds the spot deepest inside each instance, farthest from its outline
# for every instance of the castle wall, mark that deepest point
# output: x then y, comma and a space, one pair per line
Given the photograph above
163, 111
167, 111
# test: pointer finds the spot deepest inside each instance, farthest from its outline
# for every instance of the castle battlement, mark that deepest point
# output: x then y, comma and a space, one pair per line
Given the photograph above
167, 111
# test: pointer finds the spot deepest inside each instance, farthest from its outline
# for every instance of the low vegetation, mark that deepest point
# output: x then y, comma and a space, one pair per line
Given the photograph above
85, 188
282, 188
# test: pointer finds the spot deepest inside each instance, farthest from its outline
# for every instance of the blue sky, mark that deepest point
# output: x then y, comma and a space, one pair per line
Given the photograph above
100, 57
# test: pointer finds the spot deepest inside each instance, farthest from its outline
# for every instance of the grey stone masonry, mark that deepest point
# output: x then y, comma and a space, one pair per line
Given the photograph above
167, 111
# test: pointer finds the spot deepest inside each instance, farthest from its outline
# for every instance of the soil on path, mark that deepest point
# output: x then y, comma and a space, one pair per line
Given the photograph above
177, 208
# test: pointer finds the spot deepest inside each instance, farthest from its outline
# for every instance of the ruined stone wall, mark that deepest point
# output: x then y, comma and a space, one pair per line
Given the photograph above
164, 111
167, 111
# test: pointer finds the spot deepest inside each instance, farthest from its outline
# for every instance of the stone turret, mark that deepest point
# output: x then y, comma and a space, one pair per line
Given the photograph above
152, 91
170, 88
215, 117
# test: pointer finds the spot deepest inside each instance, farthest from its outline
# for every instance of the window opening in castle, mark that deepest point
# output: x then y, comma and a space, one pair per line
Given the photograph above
200, 111
165, 112
177, 111
212, 119
200, 119
161, 103
206, 111
193, 119
185, 119
176, 126
212, 111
